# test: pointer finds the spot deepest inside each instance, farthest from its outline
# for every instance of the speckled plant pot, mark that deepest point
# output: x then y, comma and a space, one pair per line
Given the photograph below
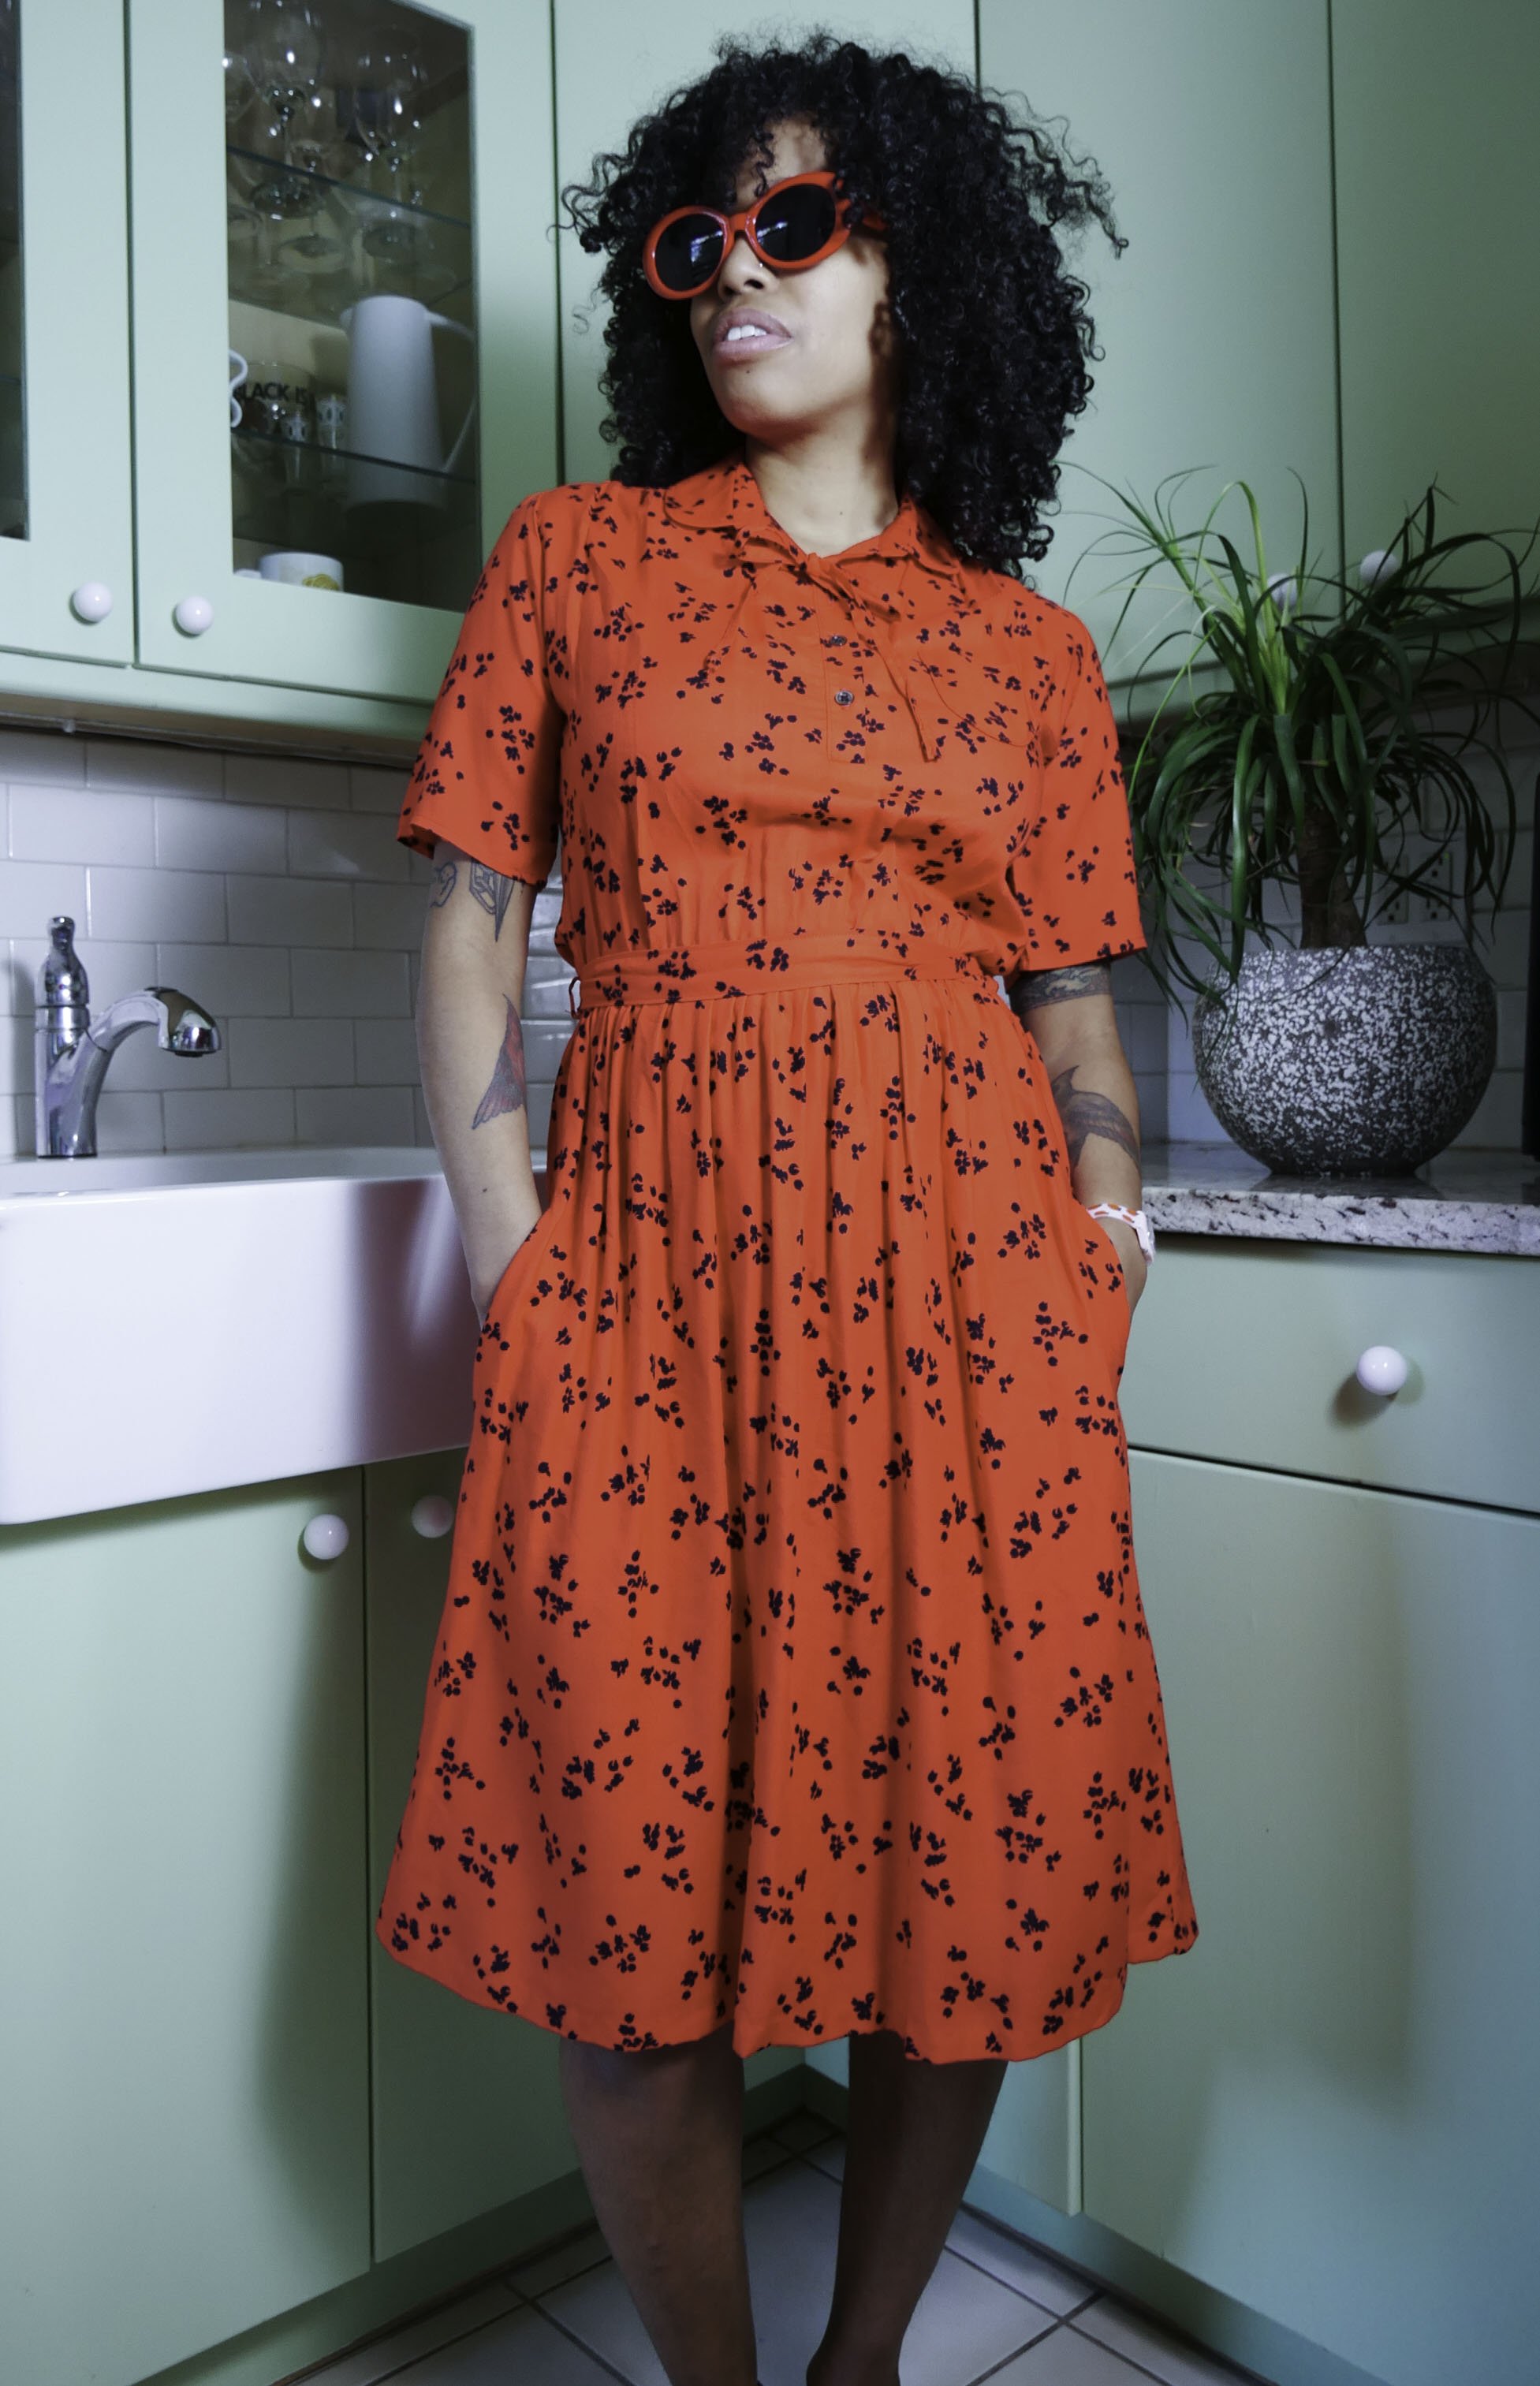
1356, 1061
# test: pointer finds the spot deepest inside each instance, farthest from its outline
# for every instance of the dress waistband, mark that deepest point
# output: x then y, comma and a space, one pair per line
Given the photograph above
733, 967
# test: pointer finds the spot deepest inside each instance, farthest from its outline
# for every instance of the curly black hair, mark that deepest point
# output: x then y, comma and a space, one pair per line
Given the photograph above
993, 334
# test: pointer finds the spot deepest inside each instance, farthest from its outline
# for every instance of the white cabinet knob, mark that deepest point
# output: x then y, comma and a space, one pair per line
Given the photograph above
1381, 1369
326, 1537
432, 1516
192, 616
92, 601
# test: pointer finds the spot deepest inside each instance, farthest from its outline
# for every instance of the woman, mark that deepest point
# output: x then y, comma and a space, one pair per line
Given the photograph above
793, 1682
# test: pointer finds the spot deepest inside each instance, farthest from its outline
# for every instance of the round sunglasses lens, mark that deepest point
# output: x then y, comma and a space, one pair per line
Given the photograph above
689, 252
795, 223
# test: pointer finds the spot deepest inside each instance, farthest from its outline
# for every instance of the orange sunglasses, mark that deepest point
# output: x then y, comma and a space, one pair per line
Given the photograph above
794, 224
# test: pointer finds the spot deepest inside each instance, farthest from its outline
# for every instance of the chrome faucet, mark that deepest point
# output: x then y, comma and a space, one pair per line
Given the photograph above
72, 1051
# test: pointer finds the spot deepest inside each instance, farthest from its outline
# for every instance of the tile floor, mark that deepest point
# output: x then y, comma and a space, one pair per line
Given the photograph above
995, 2309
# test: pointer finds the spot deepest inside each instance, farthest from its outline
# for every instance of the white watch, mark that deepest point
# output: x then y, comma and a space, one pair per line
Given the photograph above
1134, 1218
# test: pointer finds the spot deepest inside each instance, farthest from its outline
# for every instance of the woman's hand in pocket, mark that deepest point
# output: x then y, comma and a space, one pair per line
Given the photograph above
484, 1285
1135, 1267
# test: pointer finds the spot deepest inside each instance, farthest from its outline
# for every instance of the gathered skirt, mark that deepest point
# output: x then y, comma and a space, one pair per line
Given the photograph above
793, 1673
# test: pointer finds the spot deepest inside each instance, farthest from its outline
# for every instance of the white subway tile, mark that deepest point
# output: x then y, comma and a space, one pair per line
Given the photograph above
1512, 1008
291, 1052
194, 835
540, 1115
378, 790
351, 986
239, 1120
150, 767
129, 1122
31, 892
110, 970
422, 1126
42, 757
16, 1056
283, 778
244, 981
16, 1127
343, 844
156, 903
1499, 1116
1503, 947
289, 911
377, 1114
389, 917
387, 1052
1188, 1116
545, 1042
73, 824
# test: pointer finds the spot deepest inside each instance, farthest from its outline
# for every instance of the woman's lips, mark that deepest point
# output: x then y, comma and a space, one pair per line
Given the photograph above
757, 335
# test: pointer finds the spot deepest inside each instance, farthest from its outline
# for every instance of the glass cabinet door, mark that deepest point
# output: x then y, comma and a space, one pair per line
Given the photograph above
355, 386
66, 559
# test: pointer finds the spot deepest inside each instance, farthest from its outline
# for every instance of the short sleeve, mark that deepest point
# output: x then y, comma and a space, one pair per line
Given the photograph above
1073, 874
488, 772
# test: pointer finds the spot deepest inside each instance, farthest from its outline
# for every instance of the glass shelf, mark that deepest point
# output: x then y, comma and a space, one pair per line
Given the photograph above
352, 327
397, 530
334, 242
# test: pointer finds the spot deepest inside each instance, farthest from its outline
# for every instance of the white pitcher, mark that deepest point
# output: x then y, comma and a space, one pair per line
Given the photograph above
392, 414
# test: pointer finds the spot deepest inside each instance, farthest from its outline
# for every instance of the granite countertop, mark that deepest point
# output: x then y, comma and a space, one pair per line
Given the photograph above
1464, 1201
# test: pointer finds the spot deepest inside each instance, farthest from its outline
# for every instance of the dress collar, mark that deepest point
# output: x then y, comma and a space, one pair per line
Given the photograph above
726, 496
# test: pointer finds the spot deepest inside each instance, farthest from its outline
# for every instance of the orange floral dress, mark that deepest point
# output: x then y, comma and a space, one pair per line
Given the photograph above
793, 1673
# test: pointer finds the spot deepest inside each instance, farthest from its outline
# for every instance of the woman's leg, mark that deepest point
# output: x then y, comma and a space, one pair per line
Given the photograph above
913, 2135
660, 2135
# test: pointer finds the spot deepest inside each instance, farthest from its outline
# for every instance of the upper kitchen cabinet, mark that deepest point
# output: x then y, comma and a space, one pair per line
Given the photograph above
1438, 215
612, 65
66, 516
1212, 126
343, 328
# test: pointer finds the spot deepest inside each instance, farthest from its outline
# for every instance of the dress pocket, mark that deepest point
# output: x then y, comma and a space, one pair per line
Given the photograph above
1116, 1288
526, 1255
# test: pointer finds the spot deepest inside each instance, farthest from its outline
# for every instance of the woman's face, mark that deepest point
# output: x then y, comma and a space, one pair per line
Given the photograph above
830, 357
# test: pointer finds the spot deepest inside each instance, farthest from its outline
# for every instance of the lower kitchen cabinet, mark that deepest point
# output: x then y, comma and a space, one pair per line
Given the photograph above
183, 1981
1329, 2108
467, 2109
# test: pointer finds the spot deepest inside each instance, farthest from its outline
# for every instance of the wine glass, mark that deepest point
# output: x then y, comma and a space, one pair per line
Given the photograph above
379, 112
281, 44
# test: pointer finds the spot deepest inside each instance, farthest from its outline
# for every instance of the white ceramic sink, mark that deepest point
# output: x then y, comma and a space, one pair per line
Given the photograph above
175, 1323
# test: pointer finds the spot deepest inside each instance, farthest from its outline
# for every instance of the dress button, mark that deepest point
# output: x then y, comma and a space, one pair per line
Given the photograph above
842, 696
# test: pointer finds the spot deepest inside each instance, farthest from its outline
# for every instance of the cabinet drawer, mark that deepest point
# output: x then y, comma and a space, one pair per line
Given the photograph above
1246, 1351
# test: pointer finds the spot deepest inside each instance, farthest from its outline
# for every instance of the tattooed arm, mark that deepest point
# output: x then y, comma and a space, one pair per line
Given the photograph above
470, 1048
1072, 1019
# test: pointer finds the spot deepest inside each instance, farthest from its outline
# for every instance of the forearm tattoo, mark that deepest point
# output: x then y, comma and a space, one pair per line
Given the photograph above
1086, 1112
491, 890
1033, 987
507, 1090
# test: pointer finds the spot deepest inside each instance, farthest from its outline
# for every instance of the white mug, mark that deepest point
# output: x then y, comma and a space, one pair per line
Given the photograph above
297, 570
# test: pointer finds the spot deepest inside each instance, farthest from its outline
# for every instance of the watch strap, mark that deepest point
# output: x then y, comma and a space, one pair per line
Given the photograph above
1134, 1218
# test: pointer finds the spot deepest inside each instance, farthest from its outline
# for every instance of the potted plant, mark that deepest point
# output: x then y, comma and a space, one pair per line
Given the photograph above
1280, 812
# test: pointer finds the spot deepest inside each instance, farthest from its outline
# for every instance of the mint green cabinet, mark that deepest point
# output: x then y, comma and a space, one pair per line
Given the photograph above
1212, 125
183, 1977
1437, 226
468, 2110
64, 340
1329, 2108
367, 644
